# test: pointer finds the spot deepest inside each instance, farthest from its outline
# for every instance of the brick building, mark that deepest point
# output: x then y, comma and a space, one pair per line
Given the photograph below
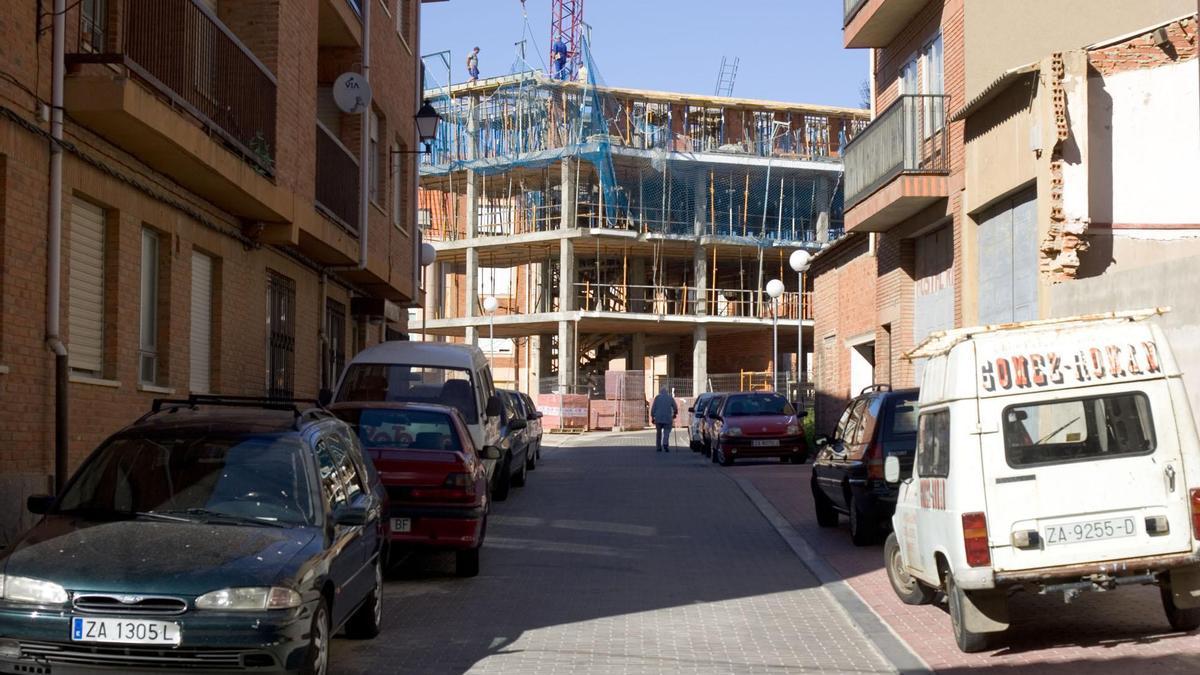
943, 257
210, 227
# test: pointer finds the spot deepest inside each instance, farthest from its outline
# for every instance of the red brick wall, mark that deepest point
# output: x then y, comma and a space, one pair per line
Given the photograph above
844, 294
1142, 52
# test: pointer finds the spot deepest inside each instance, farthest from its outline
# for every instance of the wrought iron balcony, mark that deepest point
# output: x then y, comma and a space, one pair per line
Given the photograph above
337, 179
909, 137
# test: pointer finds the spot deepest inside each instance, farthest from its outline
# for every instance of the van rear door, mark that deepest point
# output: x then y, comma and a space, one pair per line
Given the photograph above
1092, 471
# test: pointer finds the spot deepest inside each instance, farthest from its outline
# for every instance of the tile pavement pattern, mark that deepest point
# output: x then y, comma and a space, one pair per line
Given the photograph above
616, 559
1118, 632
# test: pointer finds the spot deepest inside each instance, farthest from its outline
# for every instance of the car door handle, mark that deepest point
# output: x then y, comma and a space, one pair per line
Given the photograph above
1170, 472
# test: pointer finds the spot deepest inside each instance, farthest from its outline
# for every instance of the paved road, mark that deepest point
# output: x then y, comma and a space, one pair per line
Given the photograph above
615, 559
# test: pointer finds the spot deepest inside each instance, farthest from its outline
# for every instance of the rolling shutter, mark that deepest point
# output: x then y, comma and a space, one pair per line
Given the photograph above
85, 315
199, 379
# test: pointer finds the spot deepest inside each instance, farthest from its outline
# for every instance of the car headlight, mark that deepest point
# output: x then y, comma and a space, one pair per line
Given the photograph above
249, 599
31, 591
732, 431
793, 429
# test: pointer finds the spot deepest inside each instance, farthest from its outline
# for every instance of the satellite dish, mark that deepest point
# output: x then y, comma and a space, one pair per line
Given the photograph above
351, 93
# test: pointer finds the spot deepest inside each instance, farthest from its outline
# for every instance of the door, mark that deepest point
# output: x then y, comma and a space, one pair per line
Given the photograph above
347, 550
1086, 470
933, 290
1008, 260
835, 459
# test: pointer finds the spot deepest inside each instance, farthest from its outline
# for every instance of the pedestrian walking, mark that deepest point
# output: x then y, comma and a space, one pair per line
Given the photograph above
473, 65
663, 412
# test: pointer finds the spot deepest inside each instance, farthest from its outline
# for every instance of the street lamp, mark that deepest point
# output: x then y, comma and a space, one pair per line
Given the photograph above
775, 289
427, 119
428, 257
489, 305
799, 262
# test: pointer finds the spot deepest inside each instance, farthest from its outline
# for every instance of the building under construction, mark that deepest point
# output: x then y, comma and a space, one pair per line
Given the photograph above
625, 229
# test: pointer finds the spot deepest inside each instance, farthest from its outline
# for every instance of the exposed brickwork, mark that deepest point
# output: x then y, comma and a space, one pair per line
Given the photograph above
1143, 52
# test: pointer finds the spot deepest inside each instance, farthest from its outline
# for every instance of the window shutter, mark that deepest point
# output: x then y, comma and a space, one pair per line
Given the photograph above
85, 314
199, 380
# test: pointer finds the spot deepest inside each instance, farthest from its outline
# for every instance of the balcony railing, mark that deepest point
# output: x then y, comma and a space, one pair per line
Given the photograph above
681, 301
851, 8
337, 179
909, 137
181, 49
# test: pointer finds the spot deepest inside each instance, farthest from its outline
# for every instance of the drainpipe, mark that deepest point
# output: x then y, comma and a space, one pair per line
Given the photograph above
54, 251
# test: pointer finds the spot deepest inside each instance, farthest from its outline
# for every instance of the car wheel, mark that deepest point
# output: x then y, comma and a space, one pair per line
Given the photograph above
503, 482
726, 460
522, 475
907, 588
466, 563
316, 661
966, 640
864, 531
367, 619
1180, 619
826, 515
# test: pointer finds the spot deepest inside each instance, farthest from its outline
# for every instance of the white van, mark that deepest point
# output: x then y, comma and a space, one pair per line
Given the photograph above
448, 374
1052, 456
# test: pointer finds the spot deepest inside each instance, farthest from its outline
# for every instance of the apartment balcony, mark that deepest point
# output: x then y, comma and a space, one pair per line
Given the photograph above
176, 88
339, 23
337, 180
875, 23
898, 165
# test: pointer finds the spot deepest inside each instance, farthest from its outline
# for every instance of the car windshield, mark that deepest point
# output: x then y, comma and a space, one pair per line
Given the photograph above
412, 384
262, 478
768, 404
416, 429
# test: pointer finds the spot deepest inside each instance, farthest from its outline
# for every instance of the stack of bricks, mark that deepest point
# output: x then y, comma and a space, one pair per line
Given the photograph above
626, 391
603, 415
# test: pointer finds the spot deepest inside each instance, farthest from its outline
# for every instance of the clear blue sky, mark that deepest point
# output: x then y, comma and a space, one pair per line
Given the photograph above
791, 50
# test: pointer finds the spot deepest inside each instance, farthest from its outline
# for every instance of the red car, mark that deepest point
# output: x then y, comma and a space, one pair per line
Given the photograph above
435, 478
754, 425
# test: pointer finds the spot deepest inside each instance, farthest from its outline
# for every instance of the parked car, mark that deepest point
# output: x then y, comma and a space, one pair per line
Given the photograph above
1053, 456
436, 483
427, 372
534, 417
232, 533
708, 422
756, 425
695, 419
847, 475
513, 462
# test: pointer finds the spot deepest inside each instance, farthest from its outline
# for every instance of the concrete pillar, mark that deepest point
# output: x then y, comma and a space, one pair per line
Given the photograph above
700, 196
545, 356
472, 277
700, 271
567, 357
699, 360
637, 352
569, 195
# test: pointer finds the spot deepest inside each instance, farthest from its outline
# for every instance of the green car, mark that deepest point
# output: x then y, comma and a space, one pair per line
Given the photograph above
213, 534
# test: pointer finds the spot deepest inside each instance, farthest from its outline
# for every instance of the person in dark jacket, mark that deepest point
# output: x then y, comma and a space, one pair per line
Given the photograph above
663, 412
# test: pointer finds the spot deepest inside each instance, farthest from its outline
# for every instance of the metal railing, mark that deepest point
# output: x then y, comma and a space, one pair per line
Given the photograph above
909, 137
337, 179
681, 301
850, 8
181, 49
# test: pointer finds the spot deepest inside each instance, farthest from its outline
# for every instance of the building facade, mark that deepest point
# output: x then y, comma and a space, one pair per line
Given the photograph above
210, 235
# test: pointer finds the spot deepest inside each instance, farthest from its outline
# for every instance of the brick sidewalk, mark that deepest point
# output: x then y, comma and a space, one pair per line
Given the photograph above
1123, 631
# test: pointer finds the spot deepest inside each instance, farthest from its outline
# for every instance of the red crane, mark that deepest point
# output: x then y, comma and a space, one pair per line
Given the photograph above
566, 30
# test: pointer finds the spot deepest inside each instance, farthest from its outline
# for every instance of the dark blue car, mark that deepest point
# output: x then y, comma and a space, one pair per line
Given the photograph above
212, 534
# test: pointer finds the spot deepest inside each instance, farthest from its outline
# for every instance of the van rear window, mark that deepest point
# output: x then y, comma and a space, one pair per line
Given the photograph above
1082, 429
411, 384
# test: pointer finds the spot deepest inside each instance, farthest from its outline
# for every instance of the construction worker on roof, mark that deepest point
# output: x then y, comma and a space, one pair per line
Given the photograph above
473, 65
559, 56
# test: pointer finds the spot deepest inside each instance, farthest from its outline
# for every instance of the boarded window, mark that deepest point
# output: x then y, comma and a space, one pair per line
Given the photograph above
86, 310
201, 342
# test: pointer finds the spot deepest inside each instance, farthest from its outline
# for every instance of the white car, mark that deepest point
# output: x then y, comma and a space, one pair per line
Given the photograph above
1052, 456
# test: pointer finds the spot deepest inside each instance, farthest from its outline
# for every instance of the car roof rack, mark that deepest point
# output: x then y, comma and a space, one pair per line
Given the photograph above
292, 405
875, 387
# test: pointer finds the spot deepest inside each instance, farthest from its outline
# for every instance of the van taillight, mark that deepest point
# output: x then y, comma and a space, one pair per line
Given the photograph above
458, 487
1195, 500
975, 539
874, 459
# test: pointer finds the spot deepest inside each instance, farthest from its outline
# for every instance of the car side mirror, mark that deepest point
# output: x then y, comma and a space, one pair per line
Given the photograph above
821, 441
491, 452
891, 469
538, 414
517, 424
39, 504
350, 516
494, 407
325, 396
692, 409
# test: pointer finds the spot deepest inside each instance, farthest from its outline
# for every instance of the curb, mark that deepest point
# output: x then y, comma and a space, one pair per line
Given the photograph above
890, 646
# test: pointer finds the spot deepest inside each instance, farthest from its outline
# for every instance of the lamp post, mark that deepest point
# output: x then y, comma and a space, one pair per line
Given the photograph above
489, 305
775, 289
799, 262
428, 257
427, 119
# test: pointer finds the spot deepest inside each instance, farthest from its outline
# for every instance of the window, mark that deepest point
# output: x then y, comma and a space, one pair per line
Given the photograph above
332, 487
148, 310
86, 309
903, 417
383, 428
201, 338
933, 445
1055, 432
932, 84
93, 25
420, 384
424, 218
760, 404
334, 357
281, 335
374, 177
